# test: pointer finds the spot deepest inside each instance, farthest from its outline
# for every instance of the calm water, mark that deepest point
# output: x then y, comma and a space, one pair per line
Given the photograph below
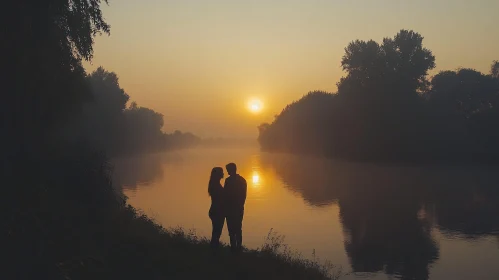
376, 221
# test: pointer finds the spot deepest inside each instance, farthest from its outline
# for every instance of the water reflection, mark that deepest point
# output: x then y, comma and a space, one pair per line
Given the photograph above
137, 171
388, 212
256, 178
389, 217
255, 171
471, 211
383, 232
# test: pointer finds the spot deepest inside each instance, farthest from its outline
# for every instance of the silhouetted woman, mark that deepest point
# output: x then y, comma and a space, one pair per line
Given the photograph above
216, 213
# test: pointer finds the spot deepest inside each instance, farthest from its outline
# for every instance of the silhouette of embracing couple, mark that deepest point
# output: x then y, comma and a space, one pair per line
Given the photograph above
227, 203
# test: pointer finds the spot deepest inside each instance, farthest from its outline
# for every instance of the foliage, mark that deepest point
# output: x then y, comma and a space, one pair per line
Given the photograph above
394, 69
464, 93
179, 140
109, 125
45, 81
387, 109
494, 69
143, 131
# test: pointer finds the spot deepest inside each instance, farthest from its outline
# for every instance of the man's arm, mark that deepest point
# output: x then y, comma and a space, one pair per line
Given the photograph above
245, 190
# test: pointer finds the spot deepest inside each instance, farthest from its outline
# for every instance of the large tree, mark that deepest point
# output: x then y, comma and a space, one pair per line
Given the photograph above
43, 47
382, 91
399, 65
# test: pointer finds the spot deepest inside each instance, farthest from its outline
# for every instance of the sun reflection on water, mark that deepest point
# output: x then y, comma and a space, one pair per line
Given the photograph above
256, 178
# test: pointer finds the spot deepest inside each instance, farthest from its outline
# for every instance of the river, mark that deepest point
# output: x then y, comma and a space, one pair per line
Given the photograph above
376, 221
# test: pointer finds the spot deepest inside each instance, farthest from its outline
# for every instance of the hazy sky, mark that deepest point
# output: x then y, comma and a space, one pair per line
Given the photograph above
199, 61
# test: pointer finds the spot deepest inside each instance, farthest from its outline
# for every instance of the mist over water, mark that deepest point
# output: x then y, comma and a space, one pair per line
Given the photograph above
374, 220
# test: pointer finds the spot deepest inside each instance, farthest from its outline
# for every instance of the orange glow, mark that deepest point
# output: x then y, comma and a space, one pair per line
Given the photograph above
198, 64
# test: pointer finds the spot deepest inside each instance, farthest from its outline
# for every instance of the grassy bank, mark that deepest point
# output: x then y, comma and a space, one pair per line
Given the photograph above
65, 221
144, 250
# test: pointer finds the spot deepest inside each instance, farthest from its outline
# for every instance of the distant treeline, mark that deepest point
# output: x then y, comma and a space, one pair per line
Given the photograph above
386, 108
108, 124
228, 142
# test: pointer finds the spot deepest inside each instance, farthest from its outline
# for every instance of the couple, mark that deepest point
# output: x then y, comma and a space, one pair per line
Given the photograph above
227, 202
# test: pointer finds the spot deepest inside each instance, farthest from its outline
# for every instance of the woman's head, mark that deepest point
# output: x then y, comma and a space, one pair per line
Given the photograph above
217, 173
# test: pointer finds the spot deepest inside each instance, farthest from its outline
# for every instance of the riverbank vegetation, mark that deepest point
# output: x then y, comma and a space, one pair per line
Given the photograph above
71, 224
387, 109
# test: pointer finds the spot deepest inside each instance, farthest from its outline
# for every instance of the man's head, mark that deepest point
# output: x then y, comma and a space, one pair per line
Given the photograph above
231, 168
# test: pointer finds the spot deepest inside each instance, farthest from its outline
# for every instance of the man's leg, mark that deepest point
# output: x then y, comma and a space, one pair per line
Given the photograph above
232, 234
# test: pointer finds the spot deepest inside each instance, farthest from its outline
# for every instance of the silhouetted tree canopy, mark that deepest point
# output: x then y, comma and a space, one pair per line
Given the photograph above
464, 93
386, 108
106, 90
397, 66
43, 47
494, 69
143, 128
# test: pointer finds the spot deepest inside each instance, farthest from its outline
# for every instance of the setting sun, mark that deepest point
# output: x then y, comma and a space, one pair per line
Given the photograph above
255, 105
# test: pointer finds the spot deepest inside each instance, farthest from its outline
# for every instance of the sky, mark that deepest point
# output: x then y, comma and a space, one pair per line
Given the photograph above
198, 62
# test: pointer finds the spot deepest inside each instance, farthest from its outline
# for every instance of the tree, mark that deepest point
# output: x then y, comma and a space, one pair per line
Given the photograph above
43, 87
395, 68
494, 69
45, 81
103, 117
143, 129
382, 91
179, 140
299, 127
106, 90
464, 93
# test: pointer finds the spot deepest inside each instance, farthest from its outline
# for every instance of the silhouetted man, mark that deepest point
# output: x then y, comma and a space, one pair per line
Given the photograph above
235, 192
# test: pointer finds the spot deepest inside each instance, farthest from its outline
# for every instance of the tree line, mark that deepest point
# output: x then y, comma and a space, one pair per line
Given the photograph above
387, 108
111, 123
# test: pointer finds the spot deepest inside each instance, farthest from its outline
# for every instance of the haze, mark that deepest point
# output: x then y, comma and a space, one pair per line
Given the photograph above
199, 62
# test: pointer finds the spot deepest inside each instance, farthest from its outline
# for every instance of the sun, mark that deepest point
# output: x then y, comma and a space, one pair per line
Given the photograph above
255, 105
